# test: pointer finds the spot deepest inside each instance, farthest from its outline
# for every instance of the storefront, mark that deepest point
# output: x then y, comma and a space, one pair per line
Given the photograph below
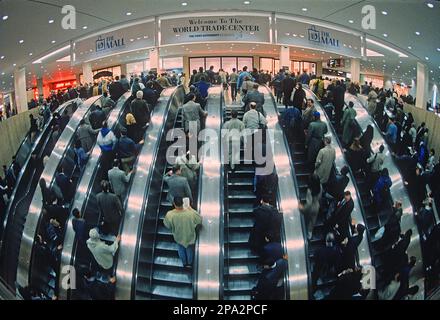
225, 63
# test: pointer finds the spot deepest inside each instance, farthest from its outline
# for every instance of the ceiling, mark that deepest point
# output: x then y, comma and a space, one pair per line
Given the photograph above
38, 24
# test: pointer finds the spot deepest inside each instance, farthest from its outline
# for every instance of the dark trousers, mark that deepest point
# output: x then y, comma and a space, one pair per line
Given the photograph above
233, 91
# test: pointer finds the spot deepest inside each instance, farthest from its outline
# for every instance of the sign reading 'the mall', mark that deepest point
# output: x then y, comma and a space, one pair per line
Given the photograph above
290, 32
215, 28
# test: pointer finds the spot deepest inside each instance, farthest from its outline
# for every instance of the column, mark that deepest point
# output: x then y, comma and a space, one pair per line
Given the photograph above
422, 85
257, 62
123, 69
154, 59
78, 78
87, 73
319, 68
186, 69
355, 70
20, 90
285, 58
40, 88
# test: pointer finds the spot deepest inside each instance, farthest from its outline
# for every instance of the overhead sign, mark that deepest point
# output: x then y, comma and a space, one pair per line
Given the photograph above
290, 32
134, 37
215, 28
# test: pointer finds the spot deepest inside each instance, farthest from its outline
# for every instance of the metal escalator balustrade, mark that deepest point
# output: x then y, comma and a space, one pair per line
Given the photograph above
210, 206
60, 151
295, 243
143, 191
398, 192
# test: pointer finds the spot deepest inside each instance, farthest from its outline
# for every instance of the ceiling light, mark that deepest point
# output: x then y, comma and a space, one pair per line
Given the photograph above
384, 13
51, 21
409, 47
4, 18
430, 5
247, 2
417, 33
304, 9
350, 21
85, 27
53, 41
21, 41
426, 58
14, 64
30, 53
184, 4
128, 14
385, 35
2, 57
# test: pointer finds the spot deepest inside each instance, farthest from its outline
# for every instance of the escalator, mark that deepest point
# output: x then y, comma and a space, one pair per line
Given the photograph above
302, 171
241, 268
43, 146
43, 274
140, 223
160, 273
398, 191
22, 231
22, 197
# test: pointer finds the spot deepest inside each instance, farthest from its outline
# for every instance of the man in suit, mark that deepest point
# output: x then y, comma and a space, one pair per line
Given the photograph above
118, 180
350, 246
254, 96
340, 218
315, 135
192, 112
116, 89
267, 222
325, 160
287, 86
110, 207
178, 186
140, 110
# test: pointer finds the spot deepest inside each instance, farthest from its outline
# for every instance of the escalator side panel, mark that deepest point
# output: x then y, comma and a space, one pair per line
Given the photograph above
211, 206
144, 190
398, 192
33, 217
295, 246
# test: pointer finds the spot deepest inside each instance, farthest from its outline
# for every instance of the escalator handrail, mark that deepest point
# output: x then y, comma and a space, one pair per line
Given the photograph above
49, 173
363, 254
209, 283
304, 231
125, 256
36, 143
85, 182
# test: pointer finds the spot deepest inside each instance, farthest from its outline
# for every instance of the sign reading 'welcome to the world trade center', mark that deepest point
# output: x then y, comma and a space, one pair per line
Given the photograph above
202, 29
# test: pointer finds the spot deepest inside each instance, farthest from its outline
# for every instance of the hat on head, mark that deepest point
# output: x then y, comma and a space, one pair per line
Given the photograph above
94, 234
316, 114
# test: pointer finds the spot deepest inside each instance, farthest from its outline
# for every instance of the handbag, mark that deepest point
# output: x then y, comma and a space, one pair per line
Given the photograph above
261, 126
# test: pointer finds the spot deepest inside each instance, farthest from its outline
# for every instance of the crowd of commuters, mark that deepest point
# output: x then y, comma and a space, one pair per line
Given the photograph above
326, 193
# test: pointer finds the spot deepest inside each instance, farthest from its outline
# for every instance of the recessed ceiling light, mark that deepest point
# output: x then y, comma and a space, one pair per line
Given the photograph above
246, 2
128, 13
53, 41
384, 13
4, 18
14, 64
85, 27
430, 5
21, 41
2, 57
30, 53
304, 9
184, 4
385, 35
409, 47
51, 21
350, 21
426, 58
417, 33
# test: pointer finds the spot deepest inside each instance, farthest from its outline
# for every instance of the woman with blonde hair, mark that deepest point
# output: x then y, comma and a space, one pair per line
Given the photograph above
134, 130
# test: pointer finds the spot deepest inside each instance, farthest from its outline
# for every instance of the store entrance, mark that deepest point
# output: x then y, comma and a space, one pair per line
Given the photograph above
225, 63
